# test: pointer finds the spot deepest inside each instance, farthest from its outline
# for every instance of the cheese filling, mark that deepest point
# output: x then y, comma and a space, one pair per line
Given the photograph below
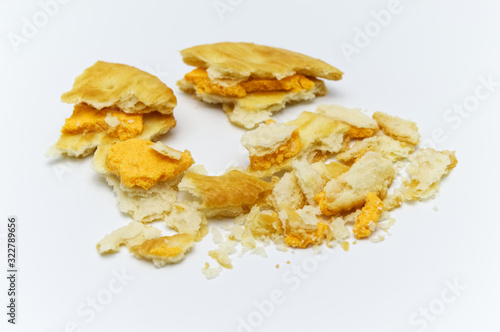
86, 119
138, 164
200, 79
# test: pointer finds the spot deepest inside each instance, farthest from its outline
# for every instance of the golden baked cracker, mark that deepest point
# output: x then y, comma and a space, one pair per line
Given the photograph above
80, 145
271, 144
361, 124
230, 194
241, 61
130, 89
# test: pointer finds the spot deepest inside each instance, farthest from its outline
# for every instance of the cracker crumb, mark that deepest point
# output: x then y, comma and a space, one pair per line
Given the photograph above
277, 266
261, 251
435, 208
345, 245
216, 235
211, 273
377, 239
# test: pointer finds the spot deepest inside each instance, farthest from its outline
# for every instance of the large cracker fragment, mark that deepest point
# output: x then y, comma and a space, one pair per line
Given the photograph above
371, 173
133, 234
427, 167
230, 194
385, 145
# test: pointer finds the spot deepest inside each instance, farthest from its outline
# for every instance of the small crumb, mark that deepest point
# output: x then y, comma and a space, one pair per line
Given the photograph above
166, 151
377, 239
216, 235
288, 262
277, 266
316, 249
261, 251
355, 241
345, 245
282, 247
435, 208
211, 273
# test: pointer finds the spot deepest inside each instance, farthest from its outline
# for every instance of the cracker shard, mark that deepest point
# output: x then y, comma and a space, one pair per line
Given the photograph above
398, 128
135, 233
223, 61
251, 90
426, 169
164, 250
271, 144
361, 124
230, 194
371, 173
132, 90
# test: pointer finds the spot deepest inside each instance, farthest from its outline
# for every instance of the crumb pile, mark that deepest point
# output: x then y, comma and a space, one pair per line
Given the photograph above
321, 179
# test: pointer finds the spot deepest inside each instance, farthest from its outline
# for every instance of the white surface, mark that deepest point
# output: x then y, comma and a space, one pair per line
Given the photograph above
429, 57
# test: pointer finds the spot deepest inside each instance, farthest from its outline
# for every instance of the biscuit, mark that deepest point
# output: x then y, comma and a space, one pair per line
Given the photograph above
228, 195
253, 81
130, 89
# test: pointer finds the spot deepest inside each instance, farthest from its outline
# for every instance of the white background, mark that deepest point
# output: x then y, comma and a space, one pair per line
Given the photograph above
430, 57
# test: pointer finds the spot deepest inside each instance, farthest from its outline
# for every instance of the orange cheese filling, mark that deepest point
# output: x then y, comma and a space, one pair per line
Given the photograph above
302, 239
200, 79
361, 132
86, 119
137, 164
370, 213
164, 246
323, 205
287, 150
